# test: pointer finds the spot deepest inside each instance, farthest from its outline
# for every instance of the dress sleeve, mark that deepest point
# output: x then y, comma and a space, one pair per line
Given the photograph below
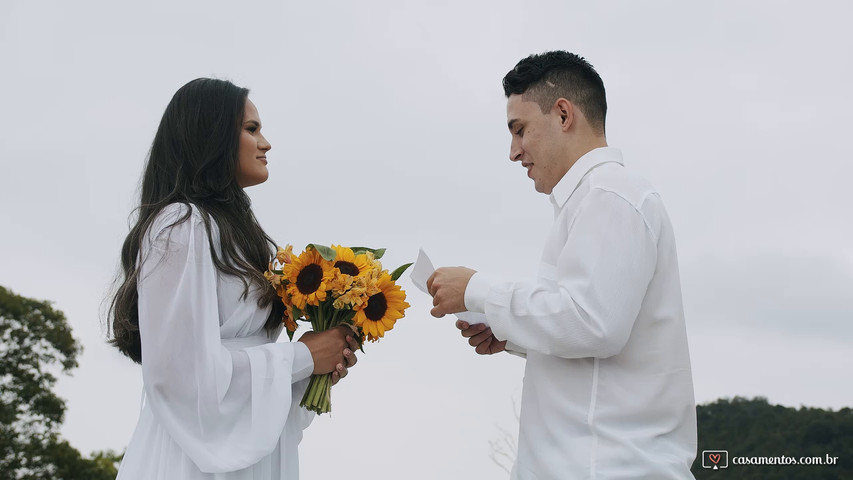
596, 292
225, 409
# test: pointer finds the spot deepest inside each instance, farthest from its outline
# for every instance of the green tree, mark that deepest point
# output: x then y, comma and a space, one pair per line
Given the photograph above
35, 343
754, 428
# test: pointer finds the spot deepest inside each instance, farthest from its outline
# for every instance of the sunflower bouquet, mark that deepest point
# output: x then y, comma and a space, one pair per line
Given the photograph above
332, 286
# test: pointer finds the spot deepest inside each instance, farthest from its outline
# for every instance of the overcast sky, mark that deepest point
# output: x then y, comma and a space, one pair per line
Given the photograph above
388, 127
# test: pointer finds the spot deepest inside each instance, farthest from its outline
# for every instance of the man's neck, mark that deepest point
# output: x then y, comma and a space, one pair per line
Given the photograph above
582, 148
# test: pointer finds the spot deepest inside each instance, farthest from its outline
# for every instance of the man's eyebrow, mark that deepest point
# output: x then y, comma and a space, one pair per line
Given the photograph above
511, 123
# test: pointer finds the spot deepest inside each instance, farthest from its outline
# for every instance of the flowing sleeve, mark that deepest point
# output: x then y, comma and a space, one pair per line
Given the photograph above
225, 409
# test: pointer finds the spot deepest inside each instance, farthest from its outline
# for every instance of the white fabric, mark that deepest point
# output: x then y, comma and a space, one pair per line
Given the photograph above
608, 389
221, 399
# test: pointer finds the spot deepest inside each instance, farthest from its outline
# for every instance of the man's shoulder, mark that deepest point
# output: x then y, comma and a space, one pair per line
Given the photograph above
636, 191
622, 181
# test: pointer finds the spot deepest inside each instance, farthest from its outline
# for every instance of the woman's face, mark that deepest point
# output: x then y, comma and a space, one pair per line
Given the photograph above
252, 154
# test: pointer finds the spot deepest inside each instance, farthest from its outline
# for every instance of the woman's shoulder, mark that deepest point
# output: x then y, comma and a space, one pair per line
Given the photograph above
172, 215
178, 219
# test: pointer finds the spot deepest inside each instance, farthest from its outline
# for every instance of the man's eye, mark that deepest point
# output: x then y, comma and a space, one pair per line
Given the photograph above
520, 132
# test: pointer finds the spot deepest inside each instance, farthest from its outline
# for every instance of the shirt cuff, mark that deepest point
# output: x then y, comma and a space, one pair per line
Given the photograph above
514, 349
303, 362
476, 293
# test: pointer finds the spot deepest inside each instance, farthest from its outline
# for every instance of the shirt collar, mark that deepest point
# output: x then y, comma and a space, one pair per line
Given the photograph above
572, 179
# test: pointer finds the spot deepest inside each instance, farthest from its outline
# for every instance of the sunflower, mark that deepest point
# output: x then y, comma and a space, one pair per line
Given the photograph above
382, 309
348, 263
307, 275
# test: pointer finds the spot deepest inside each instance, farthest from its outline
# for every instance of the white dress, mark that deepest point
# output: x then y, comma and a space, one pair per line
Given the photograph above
221, 398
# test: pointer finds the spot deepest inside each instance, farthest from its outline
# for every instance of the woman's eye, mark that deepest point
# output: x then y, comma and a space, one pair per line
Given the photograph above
252, 129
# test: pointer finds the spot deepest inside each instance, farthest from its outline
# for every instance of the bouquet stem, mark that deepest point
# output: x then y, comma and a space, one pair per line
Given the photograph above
318, 396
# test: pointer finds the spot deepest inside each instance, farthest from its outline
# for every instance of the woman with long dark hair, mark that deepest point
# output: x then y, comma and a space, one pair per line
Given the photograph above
221, 397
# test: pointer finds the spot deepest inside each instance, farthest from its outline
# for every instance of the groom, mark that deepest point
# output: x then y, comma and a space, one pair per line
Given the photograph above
608, 390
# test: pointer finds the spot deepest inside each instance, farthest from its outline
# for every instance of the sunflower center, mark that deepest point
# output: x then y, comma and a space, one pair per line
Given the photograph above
347, 268
309, 278
376, 307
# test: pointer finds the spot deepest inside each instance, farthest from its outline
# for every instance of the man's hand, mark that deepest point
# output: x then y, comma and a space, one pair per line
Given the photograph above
480, 337
447, 286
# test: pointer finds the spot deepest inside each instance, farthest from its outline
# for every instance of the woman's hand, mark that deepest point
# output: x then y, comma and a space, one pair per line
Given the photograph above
333, 351
342, 369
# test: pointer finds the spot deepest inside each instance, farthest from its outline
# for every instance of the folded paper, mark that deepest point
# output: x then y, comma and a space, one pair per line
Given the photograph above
422, 270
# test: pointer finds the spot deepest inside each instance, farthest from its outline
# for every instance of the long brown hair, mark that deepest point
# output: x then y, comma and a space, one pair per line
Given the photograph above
193, 160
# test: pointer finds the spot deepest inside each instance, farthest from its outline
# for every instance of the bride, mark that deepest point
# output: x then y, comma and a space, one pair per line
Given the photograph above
221, 397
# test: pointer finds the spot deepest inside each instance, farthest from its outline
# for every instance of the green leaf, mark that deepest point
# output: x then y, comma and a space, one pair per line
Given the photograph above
396, 274
324, 251
377, 252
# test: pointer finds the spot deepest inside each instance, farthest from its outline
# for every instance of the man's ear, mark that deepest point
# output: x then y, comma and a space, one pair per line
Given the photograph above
565, 110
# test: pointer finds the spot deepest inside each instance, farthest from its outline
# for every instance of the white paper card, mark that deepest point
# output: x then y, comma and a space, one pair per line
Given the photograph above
421, 272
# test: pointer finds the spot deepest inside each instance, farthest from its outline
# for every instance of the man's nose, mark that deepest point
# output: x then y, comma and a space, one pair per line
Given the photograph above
515, 153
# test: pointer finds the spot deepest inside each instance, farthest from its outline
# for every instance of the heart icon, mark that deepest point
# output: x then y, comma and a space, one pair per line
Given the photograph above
714, 457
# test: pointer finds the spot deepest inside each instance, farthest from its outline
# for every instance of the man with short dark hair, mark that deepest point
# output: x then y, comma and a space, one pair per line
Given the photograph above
608, 389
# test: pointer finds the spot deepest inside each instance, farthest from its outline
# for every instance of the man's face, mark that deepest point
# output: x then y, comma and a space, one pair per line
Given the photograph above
536, 142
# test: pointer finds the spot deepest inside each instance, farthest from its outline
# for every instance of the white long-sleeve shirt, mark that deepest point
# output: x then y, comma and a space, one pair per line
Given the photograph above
608, 389
221, 397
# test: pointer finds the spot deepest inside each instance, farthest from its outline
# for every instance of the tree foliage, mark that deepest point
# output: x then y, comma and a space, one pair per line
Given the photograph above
35, 345
754, 428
